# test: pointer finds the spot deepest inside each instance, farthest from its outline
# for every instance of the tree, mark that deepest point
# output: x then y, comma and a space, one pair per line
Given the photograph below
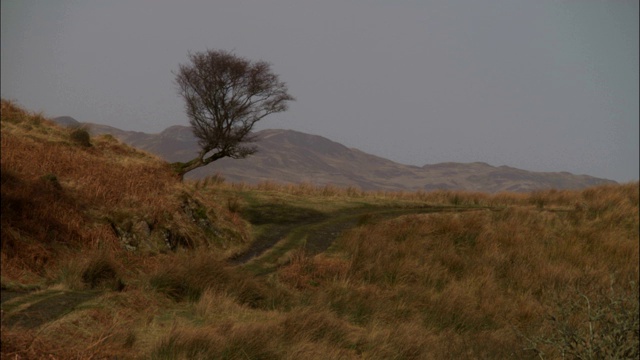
225, 96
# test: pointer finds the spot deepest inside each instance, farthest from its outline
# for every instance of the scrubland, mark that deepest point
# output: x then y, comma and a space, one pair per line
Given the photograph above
106, 254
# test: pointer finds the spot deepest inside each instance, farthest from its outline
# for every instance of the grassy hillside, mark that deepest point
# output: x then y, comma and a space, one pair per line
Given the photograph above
104, 253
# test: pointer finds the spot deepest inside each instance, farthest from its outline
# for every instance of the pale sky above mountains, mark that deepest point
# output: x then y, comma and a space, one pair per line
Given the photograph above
538, 85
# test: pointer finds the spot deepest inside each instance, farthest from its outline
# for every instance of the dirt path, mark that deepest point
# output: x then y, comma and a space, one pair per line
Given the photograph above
31, 310
317, 234
313, 231
320, 238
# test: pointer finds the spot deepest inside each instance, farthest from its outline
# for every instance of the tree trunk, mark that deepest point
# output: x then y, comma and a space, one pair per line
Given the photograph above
181, 168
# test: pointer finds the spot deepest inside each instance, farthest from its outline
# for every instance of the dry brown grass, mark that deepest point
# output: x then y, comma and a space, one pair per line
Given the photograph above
478, 284
59, 196
481, 284
438, 197
510, 279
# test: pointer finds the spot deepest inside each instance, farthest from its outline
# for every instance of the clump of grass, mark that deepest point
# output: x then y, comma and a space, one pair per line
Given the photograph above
102, 272
108, 138
251, 341
406, 340
234, 204
306, 272
188, 277
539, 199
12, 113
213, 180
81, 137
355, 305
598, 326
304, 324
52, 180
184, 345
303, 333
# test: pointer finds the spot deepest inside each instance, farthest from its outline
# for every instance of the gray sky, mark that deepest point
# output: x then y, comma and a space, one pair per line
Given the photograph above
539, 85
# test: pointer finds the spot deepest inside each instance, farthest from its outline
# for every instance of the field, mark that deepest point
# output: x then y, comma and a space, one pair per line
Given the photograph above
106, 254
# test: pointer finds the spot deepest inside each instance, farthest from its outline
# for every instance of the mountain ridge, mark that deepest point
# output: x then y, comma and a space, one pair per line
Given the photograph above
290, 156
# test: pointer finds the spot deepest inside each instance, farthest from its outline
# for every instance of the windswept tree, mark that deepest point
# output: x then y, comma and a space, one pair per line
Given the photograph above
225, 96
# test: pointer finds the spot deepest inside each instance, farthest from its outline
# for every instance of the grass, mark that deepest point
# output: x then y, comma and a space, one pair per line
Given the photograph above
145, 262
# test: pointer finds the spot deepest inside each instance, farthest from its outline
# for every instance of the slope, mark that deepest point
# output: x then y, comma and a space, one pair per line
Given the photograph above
126, 262
288, 156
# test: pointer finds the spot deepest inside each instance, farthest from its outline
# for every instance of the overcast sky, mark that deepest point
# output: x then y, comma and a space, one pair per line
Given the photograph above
538, 85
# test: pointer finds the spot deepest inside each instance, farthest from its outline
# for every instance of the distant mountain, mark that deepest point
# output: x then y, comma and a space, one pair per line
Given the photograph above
67, 121
289, 156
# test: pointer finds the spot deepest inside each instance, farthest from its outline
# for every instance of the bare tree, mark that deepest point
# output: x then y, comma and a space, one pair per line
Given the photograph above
225, 96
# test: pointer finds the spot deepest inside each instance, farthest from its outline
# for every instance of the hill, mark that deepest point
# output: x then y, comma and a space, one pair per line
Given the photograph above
288, 156
105, 254
60, 192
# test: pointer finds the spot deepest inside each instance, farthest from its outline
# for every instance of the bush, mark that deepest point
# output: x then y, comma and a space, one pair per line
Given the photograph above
187, 277
12, 113
81, 137
593, 327
101, 273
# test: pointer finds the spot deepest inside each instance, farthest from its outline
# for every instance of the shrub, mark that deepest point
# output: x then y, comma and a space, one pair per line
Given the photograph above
102, 272
593, 327
12, 113
189, 276
109, 138
81, 137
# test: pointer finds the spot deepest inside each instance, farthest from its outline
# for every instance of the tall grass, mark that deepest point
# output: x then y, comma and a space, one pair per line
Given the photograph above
487, 281
60, 195
551, 274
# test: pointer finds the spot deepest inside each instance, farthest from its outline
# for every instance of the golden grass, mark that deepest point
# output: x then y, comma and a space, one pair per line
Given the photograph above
521, 276
482, 279
58, 195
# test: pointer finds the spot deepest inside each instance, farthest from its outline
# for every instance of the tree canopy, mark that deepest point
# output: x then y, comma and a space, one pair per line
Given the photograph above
225, 96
